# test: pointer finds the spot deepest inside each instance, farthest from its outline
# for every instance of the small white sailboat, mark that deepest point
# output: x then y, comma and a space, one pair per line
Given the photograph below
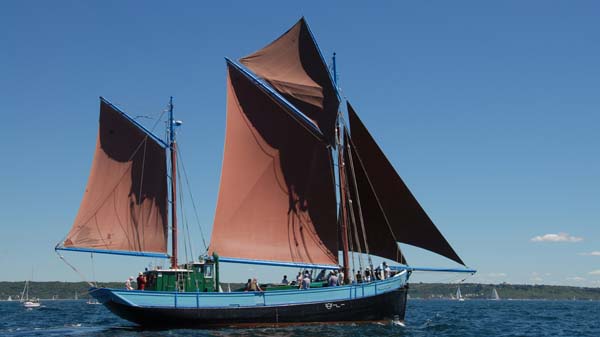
93, 301
27, 302
9, 298
459, 295
495, 296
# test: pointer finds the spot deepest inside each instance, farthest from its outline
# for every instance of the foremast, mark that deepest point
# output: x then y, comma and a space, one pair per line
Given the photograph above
173, 150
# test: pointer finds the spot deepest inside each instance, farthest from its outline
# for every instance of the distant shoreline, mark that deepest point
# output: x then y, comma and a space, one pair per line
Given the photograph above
417, 291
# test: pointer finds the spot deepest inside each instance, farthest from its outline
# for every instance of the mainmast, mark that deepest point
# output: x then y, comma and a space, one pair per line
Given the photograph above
173, 148
342, 181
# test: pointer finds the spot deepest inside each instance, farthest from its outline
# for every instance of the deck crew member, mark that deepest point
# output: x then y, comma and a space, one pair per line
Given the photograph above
128, 283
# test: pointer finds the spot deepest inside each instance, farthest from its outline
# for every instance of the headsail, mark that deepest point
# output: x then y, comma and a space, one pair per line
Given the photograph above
124, 208
405, 217
293, 65
276, 200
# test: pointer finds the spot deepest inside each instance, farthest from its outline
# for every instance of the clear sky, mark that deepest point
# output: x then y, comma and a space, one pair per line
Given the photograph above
490, 111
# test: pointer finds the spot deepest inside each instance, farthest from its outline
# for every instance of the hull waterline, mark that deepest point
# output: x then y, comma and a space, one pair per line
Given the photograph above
385, 307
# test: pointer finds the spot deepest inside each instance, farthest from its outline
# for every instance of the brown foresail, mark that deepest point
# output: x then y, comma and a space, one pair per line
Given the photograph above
125, 202
276, 200
293, 65
391, 197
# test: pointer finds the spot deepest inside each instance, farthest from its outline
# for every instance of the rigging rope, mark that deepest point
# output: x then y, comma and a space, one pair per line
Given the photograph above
91, 284
187, 242
193, 202
93, 268
360, 215
354, 231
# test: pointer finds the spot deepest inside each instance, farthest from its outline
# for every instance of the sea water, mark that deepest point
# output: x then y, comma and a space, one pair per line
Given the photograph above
423, 318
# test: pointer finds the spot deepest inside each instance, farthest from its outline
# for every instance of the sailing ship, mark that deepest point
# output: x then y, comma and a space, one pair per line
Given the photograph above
286, 150
459, 296
495, 296
28, 302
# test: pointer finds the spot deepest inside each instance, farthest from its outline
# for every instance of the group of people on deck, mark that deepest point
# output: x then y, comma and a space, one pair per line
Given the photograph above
303, 279
141, 282
336, 277
382, 272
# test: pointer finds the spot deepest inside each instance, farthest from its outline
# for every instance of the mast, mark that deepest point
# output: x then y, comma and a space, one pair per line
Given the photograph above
173, 148
342, 180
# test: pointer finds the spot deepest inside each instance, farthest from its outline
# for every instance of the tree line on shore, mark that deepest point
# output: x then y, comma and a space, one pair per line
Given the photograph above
504, 290
72, 290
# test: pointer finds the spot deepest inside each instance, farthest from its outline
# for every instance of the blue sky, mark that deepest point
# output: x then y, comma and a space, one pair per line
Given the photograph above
489, 111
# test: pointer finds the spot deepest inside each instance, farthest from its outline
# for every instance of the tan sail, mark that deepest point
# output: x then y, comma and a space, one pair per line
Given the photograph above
276, 200
293, 65
124, 206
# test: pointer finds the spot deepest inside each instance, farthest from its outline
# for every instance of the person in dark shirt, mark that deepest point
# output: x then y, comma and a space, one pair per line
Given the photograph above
141, 282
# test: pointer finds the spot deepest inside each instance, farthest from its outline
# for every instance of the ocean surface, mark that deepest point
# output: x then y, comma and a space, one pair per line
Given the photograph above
424, 318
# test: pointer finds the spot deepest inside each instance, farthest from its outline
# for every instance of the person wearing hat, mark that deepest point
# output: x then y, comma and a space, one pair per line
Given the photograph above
141, 281
128, 283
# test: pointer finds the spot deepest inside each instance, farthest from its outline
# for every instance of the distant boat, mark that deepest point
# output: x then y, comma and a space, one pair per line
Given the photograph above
459, 295
93, 301
276, 207
9, 298
495, 296
27, 302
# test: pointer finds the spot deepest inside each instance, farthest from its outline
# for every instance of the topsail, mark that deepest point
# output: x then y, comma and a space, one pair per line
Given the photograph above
293, 65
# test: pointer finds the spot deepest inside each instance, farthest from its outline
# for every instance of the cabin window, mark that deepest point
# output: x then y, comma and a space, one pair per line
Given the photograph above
207, 271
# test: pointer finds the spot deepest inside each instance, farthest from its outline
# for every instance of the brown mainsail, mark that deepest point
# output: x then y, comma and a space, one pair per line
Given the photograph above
276, 200
124, 207
293, 65
389, 208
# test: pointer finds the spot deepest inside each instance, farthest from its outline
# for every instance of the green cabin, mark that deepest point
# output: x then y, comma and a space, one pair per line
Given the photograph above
200, 276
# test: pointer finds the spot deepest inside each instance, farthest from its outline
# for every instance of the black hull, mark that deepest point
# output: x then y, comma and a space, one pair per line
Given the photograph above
389, 306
